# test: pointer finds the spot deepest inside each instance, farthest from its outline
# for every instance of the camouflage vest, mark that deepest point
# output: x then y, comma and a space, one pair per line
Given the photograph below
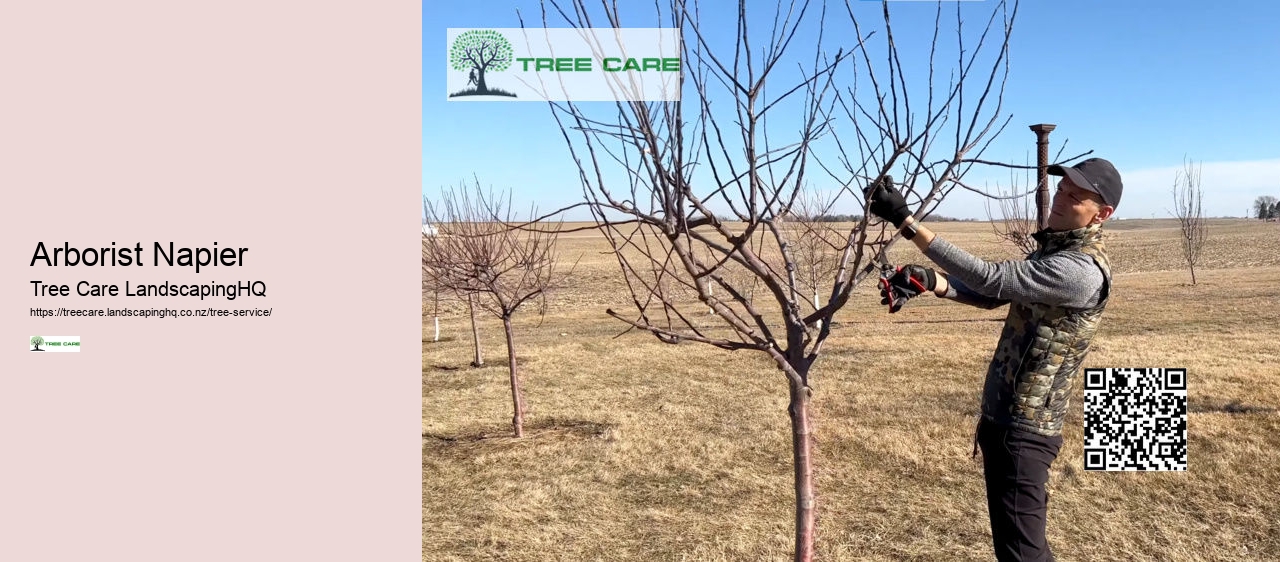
1042, 347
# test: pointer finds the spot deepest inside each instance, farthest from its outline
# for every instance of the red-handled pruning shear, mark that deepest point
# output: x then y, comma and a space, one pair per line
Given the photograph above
896, 299
887, 270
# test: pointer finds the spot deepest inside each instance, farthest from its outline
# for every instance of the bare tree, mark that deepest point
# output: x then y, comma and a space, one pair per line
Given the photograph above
664, 180
1018, 218
817, 245
435, 315
428, 284
427, 287
1187, 197
498, 268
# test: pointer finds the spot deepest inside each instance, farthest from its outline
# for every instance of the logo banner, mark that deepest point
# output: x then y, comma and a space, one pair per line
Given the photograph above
589, 64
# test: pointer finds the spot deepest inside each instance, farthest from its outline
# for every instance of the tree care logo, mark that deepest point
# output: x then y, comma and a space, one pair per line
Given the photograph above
574, 64
54, 344
477, 53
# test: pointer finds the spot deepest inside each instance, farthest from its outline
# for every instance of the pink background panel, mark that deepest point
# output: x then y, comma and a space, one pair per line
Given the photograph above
291, 128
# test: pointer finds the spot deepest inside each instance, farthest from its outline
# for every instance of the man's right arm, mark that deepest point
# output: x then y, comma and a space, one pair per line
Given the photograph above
948, 287
1068, 279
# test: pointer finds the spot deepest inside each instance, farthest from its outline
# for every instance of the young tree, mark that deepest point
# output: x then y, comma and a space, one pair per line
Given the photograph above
1018, 218
1187, 197
1020, 215
478, 359
664, 179
817, 245
479, 254
435, 314
430, 283
467, 294
1016, 222
427, 284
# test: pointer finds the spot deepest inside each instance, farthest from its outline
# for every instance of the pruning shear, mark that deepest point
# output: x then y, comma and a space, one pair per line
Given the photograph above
887, 270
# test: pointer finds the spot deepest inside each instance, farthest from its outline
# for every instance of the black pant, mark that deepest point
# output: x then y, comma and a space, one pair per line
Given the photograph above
1015, 463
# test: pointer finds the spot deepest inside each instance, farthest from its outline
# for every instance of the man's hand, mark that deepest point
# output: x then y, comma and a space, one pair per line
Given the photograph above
906, 283
886, 202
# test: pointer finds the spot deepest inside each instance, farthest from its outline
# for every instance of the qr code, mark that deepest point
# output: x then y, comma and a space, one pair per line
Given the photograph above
1135, 419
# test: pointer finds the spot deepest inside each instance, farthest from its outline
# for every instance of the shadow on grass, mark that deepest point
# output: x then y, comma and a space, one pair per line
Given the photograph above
535, 431
495, 362
441, 340
897, 321
1232, 407
533, 428
502, 362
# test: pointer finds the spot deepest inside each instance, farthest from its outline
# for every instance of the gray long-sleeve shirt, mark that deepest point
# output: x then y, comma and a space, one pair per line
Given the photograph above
1068, 279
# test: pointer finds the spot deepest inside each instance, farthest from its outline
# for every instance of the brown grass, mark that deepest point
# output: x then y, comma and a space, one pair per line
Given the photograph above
636, 450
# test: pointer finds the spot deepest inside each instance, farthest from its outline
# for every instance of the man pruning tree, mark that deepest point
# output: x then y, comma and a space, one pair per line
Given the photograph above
1056, 297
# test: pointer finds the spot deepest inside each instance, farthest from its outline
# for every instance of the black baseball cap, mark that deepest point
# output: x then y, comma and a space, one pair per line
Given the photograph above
1096, 175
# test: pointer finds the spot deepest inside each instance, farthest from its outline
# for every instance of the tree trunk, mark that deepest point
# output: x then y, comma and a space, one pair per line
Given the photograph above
436, 320
817, 303
802, 456
475, 332
1193, 274
517, 399
480, 84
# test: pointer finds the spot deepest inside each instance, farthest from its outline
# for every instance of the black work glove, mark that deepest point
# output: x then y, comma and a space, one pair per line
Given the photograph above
907, 282
886, 202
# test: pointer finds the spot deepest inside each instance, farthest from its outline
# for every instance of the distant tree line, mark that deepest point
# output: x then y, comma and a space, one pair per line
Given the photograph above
839, 218
857, 218
944, 218
1266, 208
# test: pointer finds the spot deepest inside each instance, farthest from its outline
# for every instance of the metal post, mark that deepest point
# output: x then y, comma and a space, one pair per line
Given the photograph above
1042, 179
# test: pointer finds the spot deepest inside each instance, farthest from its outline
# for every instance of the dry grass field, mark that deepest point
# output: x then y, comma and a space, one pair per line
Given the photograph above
637, 450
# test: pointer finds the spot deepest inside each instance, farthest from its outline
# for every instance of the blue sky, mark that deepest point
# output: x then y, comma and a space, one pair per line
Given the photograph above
1144, 84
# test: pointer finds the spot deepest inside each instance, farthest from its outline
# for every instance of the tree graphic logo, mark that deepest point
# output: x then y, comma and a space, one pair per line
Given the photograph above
478, 52
36, 342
